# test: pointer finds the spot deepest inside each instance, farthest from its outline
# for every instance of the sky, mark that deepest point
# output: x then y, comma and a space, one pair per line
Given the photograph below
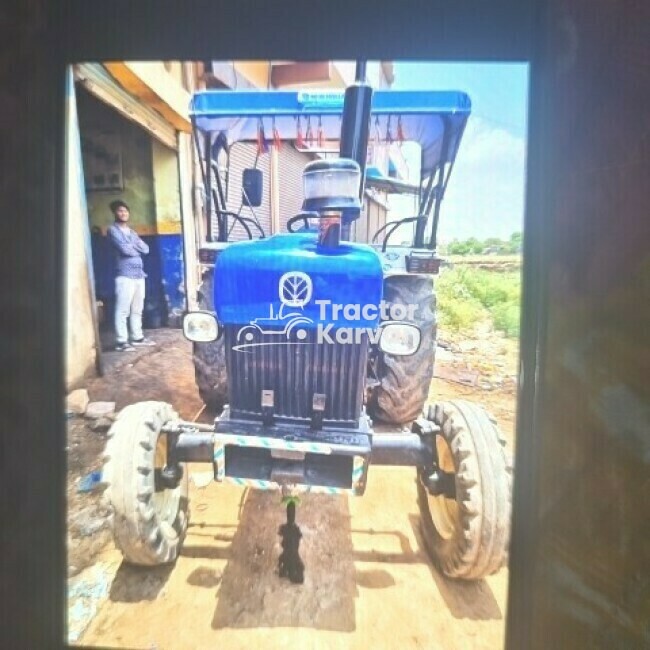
485, 195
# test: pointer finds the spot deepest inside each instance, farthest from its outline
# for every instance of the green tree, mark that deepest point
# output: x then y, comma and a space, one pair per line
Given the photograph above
515, 243
458, 248
492, 241
474, 246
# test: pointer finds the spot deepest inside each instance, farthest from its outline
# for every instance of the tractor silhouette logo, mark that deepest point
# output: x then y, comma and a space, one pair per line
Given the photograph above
295, 290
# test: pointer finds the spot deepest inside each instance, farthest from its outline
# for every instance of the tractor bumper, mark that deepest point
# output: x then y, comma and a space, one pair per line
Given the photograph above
279, 456
287, 456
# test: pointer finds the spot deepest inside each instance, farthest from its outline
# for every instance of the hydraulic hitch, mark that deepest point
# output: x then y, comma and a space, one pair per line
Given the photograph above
289, 563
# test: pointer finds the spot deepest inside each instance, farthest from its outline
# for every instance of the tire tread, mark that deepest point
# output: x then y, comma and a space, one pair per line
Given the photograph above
483, 488
130, 485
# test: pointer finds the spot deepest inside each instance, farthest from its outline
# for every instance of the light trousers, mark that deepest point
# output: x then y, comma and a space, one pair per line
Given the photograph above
129, 303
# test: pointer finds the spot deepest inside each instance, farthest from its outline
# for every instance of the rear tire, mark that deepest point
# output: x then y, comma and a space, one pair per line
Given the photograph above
404, 381
148, 525
210, 358
467, 537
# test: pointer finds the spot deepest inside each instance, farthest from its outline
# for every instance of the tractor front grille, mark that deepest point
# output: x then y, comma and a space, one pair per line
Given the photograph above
295, 370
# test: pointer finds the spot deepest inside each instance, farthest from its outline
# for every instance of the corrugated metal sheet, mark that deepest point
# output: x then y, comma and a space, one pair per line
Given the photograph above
373, 217
291, 166
243, 155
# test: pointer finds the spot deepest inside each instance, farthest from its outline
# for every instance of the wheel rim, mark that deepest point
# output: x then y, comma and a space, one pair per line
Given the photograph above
444, 511
166, 502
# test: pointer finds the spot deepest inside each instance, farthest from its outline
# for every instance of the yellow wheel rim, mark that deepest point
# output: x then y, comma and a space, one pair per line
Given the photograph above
165, 502
444, 511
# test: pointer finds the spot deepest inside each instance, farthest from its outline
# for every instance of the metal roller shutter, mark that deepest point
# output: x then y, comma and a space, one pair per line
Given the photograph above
373, 216
291, 165
242, 155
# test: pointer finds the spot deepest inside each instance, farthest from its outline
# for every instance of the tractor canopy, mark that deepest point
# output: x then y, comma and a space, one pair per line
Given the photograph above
434, 119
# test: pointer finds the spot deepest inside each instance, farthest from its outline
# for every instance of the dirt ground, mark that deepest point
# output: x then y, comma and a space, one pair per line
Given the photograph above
368, 580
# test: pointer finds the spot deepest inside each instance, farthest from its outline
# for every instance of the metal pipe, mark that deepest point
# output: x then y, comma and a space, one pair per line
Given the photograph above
424, 206
400, 449
195, 444
441, 185
183, 426
433, 191
329, 230
194, 448
220, 198
220, 192
433, 240
355, 124
208, 198
360, 72
195, 133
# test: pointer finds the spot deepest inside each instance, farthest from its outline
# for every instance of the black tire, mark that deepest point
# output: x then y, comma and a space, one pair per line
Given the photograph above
148, 525
467, 537
209, 358
404, 381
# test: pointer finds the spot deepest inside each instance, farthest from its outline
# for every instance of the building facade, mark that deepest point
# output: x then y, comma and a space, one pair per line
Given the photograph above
129, 138
128, 135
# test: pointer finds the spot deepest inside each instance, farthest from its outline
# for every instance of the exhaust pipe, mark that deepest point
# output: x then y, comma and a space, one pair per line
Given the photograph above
355, 129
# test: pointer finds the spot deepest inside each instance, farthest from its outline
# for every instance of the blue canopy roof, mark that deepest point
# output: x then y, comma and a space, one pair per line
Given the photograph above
419, 113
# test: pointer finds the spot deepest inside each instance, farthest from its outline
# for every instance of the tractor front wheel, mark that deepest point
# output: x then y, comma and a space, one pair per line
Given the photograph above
210, 358
148, 520
402, 383
467, 532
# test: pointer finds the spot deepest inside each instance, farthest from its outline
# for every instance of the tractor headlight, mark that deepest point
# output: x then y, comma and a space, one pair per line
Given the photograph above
399, 339
201, 327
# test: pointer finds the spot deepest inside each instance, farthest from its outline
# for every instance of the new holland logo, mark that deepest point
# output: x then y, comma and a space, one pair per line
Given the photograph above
295, 290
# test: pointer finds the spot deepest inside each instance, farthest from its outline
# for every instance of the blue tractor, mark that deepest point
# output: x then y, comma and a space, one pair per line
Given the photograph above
318, 352
434, 120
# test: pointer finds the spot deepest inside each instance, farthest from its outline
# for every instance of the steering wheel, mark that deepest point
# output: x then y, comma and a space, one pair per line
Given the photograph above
302, 216
391, 227
243, 221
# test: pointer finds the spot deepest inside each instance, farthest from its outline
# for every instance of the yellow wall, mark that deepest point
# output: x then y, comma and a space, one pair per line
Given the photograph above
257, 72
166, 189
158, 88
175, 70
136, 147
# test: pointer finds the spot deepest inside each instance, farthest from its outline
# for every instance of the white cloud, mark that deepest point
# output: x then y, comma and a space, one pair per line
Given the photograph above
485, 195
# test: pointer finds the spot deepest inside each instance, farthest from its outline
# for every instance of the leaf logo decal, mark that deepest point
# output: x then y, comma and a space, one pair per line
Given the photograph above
295, 289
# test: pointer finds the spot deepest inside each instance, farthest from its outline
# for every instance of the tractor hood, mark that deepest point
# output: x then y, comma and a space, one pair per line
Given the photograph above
271, 281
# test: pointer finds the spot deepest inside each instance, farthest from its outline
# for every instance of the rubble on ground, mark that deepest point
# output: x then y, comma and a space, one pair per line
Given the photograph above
483, 359
77, 401
101, 424
97, 410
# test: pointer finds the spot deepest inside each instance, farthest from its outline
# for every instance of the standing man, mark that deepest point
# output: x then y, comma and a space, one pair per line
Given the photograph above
129, 280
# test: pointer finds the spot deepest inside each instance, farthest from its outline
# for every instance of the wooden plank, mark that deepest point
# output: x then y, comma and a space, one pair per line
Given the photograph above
156, 88
97, 81
301, 73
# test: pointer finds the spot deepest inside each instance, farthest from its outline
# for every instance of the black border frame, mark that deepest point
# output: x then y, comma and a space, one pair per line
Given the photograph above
42, 38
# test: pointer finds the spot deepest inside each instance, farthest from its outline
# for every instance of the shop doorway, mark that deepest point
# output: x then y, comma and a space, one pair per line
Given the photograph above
117, 164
